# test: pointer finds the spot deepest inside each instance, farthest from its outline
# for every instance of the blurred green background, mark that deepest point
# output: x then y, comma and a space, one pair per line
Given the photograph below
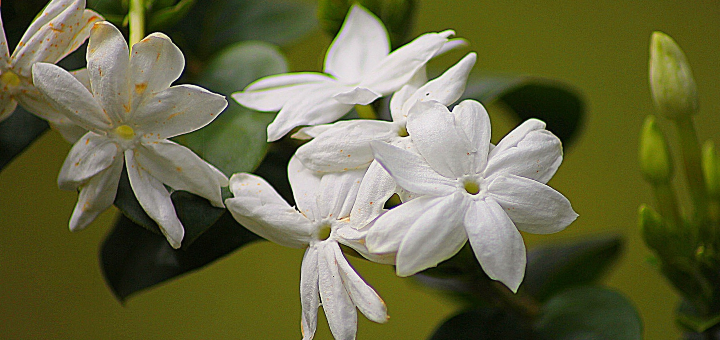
51, 285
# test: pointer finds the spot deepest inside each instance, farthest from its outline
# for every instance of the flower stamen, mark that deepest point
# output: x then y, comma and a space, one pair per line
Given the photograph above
125, 132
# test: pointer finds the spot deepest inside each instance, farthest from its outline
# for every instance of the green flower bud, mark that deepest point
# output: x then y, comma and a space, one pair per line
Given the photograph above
711, 169
655, 159
652, 228
671, 80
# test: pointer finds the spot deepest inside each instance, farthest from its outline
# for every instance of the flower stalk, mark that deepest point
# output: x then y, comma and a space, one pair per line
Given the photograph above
136, 16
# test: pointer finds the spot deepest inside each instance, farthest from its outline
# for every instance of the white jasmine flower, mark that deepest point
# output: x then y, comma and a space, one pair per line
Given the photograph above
472, 191
346, 144
358, 69
56, 32
130, 113
320, 223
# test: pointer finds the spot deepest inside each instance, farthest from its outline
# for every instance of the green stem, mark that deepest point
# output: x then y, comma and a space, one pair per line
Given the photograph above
667, 203
137, 21
366, 111
691, 154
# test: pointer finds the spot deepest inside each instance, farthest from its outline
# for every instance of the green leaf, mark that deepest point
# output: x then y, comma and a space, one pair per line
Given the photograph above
195, 213
133, 259
167, 16
589, 313
551, 101
482, 324
552, 269
237, 140
214, 24
17, 132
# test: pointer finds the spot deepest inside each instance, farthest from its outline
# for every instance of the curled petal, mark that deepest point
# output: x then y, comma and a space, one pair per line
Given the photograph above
155, 62
447, 88
344, 145
533, 206
272, 92
33, 101
258, 207
361, 44
411, 171
96, 195
376, 188
305, 185
496, 242
176, 111
309, 294
155, 200
516, 135
337, 193
362, 295
92, 154
358, 95
339, 308
537, 156
435, 235
107, 62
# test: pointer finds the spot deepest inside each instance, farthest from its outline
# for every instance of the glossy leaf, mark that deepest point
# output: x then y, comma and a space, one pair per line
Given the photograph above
17, 132
552, 269
553, 102
484, 323
589, 313
237, 140
134, 259
215, 24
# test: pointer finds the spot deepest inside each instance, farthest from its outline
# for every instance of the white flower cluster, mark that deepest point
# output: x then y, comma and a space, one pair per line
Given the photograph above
455, 185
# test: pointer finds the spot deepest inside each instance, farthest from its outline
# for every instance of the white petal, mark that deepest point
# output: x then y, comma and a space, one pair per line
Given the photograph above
400, 66
403, 94
258, 207
363, 296
305, 185
176, 111
355, 239
516, 135
472, 119
7, 106
537, 156
390, 229
4, 50
376, 188
411, 171
35, 102
70, 97
92, 154
337, 193
96, 196
434, 132
272, 92
309, 294
361, 44
310, 107
533, 207
181, 169
358, 95
88, 20
447, 88
339, 308
496, 242
107, 62
155, 200
435, 235
451, 45
155, 62
344, 145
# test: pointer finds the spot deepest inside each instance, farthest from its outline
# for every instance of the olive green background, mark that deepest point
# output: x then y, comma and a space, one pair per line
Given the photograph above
51, 285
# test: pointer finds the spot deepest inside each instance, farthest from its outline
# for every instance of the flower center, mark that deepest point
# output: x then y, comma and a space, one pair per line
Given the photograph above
324, 232
10, 79
472, 188
402, 132
473, 184
125, 132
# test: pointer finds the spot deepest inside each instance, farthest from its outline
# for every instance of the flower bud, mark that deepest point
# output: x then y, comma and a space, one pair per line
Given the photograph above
671, 80
711, 169
655, 160
652, 228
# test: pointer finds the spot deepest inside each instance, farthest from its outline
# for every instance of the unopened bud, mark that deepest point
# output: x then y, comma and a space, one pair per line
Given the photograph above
652, 228
655, 159
711, 169
671, 80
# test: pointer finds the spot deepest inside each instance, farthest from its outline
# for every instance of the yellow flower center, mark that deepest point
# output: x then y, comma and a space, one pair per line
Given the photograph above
403, 132
324, 232
10, 79
125, 132
472, 188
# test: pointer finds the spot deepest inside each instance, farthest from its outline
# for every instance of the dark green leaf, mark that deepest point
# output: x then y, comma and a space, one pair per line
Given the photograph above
482, 324
214, 24
195, 212
589, 313
237, 140
167, 16
551, 101
17, 132
133, 259
552, 269
114, 11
